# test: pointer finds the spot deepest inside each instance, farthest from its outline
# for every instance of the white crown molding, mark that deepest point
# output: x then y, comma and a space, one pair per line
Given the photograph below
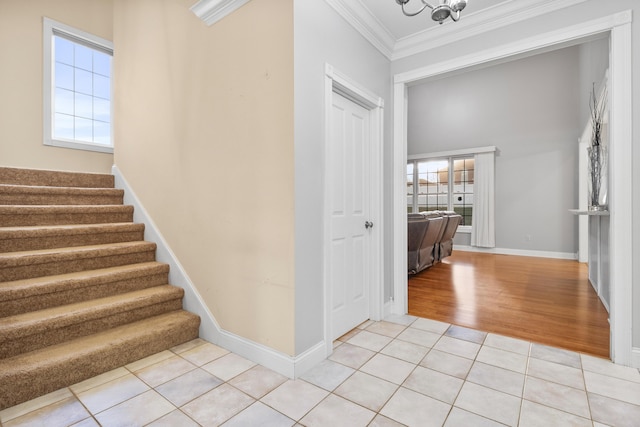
501, 15
505, 13
360, 18
530, 44
211, 11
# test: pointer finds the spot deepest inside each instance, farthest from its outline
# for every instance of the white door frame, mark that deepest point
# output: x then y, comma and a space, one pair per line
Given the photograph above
336, 82
619, 26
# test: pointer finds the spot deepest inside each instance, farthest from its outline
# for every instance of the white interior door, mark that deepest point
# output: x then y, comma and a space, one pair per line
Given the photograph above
349, 209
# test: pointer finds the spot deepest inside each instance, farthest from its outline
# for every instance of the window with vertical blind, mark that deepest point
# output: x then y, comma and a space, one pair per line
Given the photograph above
77, 89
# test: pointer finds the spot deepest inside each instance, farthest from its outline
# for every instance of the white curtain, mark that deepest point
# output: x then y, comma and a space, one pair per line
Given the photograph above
483, 231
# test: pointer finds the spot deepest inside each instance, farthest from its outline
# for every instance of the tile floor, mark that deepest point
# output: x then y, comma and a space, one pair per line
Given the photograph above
401, 371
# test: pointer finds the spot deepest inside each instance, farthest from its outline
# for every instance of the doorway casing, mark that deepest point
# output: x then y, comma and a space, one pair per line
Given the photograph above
338, 83
619, 27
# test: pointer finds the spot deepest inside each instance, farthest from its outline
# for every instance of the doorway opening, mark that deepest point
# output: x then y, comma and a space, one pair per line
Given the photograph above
620, 241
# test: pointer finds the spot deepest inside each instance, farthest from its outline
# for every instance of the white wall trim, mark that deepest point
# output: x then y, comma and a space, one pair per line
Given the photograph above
502, 15
517, 252
529, 45
635, 358
452, 153
471, 24
210, 330
621, 104
400, 283
212, 11
337, 82
621, 200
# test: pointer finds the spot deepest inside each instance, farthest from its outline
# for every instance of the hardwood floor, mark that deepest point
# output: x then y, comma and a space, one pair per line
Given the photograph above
549, 301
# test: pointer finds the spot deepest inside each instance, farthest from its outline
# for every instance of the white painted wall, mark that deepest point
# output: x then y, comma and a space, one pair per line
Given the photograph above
321, 36
529, 109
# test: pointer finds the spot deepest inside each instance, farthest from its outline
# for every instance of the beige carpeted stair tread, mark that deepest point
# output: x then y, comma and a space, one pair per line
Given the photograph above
28, 264
29, 331
55, 178
11, 194
19, 289
33, 374
22, 215
14, 239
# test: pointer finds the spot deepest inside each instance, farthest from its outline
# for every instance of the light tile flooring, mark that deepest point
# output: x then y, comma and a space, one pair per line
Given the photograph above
402, 371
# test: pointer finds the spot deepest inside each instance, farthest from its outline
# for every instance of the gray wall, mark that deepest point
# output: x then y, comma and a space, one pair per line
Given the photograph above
529, 109
322, 36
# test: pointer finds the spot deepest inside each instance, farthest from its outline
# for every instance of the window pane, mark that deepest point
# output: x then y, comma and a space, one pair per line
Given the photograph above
83, 82
101, 110
433, 177
102, 63
84, 106
102, 132
83, 58
63, 101
83, 129
443, 202
410, 187
63, 49
463, 198
64, 76
63, 126
101, 87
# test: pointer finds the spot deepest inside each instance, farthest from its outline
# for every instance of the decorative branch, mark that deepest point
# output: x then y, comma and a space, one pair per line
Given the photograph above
597, 114
597, 157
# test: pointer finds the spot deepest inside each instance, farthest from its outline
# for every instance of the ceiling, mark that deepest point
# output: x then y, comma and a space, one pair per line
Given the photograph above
390, 15
396, 35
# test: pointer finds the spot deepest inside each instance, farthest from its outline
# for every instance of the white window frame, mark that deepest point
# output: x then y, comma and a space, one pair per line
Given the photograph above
449, 156
51, 28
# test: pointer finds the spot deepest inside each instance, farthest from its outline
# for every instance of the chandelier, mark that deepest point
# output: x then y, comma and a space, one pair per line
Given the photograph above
445, 9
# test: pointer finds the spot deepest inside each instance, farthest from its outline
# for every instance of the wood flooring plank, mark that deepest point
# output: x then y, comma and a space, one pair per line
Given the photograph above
548, 301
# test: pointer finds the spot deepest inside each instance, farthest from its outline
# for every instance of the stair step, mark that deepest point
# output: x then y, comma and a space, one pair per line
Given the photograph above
43, 292
27, 215
48, 262
55, 178
36, 373
41, 195
14, 239
30, 331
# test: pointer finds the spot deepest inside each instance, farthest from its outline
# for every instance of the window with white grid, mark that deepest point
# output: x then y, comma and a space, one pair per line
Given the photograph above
77, 89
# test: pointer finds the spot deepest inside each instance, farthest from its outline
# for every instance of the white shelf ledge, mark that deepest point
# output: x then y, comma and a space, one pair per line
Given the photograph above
588, 212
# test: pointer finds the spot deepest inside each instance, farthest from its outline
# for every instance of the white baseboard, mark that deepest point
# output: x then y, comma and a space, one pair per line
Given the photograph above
518, 252
290, 366
635, 357
388, 309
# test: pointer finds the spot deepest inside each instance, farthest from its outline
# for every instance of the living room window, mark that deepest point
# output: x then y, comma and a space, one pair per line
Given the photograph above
441, 184
77, 89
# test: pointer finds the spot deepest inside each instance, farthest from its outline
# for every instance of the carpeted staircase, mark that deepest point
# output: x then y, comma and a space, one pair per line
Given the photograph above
80, 290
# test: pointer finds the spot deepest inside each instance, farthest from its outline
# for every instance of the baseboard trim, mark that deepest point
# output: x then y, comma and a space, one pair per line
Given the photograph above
635, 357
518, 252
210, 330
387, 309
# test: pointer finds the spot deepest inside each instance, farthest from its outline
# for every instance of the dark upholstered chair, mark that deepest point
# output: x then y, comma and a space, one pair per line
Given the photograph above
429, 242
430, 238
417, 227
446, 240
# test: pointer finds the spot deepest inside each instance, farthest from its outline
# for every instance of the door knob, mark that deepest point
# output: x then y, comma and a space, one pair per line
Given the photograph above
368, 224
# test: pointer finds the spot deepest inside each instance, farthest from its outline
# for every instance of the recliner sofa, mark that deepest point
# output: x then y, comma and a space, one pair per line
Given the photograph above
430, 238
